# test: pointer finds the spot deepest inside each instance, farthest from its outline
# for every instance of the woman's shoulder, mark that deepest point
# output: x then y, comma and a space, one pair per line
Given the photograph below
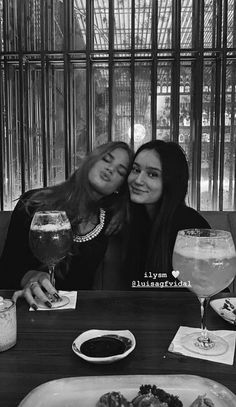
28, 194
24, 198
190, 218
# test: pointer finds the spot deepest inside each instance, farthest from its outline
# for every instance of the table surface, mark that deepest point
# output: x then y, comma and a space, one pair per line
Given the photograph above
43, 351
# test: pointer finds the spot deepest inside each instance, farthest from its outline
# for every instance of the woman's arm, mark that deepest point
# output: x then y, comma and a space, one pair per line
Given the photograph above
19, 267
17, 257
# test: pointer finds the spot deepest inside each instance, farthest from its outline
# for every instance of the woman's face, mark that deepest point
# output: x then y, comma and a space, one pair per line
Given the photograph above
145, 179
109, 172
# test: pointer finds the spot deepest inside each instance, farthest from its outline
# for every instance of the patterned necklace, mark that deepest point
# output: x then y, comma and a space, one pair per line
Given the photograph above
94, 232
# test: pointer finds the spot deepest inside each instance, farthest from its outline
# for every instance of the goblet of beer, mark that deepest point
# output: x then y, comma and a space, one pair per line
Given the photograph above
50, 240
207, 259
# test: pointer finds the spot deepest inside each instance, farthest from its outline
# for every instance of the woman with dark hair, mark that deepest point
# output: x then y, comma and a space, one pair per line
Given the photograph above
158, 184
90, 197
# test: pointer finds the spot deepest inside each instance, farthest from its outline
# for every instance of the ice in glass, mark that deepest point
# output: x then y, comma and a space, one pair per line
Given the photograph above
50, 243
207, 259
209, 267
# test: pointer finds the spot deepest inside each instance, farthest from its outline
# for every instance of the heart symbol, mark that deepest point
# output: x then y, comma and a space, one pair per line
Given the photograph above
175, 273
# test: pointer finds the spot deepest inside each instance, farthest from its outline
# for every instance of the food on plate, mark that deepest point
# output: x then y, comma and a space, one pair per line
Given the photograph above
113, 399
228, 310
202, 401
228, 306
148, 400
150, 396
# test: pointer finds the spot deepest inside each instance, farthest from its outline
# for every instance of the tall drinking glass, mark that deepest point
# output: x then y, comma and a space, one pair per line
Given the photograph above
50, 240
207, 259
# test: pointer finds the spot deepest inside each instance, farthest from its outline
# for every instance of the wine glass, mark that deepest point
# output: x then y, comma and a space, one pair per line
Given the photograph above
50, 239
206, 259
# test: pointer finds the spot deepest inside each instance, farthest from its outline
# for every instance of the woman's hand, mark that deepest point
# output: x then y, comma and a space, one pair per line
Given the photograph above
36, 284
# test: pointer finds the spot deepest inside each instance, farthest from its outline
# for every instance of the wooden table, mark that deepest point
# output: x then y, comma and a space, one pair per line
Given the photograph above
43, 350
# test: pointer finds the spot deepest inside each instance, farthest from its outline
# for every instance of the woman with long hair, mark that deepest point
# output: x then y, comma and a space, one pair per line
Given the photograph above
158, 184
90, 197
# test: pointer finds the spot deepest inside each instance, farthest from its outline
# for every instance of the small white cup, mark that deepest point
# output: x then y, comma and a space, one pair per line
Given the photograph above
8, 326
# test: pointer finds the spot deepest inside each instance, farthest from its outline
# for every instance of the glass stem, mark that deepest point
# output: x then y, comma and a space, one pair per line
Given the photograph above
51, 274
204, 303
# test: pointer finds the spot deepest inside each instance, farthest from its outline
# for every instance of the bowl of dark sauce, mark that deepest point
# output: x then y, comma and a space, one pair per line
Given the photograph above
102, 346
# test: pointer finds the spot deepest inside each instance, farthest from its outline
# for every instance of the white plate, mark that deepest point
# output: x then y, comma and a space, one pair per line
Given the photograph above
94, 333
86, 391
225, 307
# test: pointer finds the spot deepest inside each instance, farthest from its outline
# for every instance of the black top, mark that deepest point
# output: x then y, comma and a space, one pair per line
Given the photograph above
17, 257
135, 273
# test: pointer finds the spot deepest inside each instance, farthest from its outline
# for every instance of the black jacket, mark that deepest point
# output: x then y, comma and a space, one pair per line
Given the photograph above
77, 271
134, 270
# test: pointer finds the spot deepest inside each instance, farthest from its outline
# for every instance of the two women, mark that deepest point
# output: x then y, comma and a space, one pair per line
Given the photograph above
90, 197
158, 184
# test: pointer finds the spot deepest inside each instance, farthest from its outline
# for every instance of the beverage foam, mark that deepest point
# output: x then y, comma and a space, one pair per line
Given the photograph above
206, 251
51, 227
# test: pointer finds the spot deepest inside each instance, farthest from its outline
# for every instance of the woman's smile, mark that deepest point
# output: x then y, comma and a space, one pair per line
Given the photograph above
136, 190
145, 180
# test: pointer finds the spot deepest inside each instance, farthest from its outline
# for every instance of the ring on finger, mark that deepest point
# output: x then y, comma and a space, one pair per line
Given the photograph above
33, 285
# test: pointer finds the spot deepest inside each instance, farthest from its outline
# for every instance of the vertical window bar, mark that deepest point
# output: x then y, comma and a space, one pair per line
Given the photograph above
5, 25
132, 71
217, 108
27, 135
72, 24
219, 19
47, 37
175, 71
7, 113
67, 120
43, 107
214, 25
69, 142
110, 68
213, 95
233, 99
89, 99
47, 104
21, 89
154, 70
7, 118
223, 88
198, 29
2, 114
52, 30
25, 16
233, 95
47, 47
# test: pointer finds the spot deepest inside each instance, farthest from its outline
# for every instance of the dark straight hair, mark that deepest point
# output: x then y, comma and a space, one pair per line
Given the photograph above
175, 176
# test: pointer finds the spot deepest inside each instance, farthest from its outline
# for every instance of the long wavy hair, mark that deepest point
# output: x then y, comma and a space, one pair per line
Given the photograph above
76, 195
175, 176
